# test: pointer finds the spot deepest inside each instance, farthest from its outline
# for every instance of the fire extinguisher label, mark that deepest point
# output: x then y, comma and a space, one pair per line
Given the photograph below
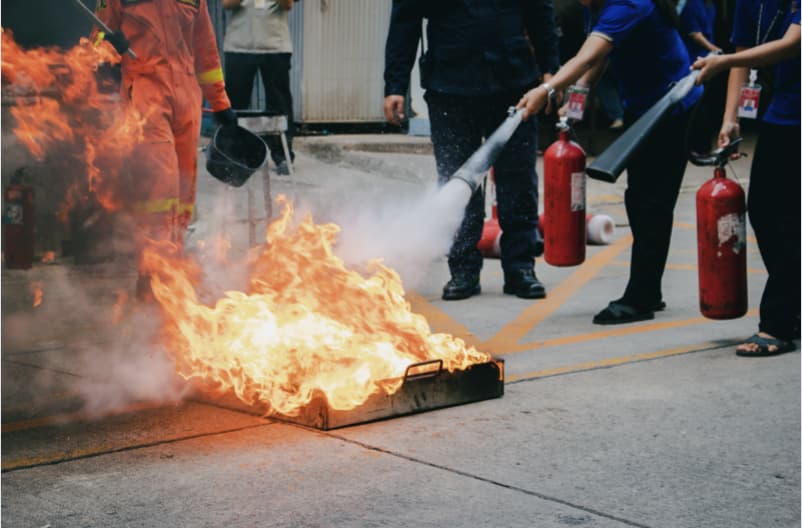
732, 226
13, 214
578, 191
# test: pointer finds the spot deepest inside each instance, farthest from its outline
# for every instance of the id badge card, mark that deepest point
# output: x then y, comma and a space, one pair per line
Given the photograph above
577, 99
749, 100
260, 4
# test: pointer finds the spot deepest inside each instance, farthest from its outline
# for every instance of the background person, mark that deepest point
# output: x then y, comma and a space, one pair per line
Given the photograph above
697, 23
477, 65
177, 66
767, 32
258, 39
642, 40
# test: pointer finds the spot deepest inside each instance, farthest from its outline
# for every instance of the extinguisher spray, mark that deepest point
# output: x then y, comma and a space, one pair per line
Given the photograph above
18, 223
721, 239
564, 222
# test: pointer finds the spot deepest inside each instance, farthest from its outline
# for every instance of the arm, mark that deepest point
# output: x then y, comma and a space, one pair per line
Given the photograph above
207, 62
399, 55
700, 39
109, 13
590, 57
763, 55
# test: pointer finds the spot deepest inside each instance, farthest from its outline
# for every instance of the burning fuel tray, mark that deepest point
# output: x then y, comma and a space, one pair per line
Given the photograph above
427, 386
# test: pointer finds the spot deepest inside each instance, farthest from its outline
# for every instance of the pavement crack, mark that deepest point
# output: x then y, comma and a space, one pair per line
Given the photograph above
486, 480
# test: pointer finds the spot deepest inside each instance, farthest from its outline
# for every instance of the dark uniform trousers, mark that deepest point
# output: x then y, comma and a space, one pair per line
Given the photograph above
458, 125
774, 213
654, 177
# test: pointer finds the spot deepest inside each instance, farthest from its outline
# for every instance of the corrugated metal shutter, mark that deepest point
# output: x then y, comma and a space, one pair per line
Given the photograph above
340, 75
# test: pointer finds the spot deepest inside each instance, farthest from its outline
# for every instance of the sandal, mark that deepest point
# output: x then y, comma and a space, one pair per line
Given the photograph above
620, 313
764, 347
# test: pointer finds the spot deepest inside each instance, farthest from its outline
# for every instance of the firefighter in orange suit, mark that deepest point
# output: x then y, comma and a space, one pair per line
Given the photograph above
177, 65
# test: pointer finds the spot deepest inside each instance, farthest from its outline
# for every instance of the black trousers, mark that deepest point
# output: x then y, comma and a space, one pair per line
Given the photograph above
275, 69
654, 176
458, 125
774, 212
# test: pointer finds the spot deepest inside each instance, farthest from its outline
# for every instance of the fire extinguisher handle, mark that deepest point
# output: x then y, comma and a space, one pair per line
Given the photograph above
718, 157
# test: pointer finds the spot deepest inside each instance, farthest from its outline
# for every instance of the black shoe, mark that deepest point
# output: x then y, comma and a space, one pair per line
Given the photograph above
461, 286
282, 169
523, 284
621, 312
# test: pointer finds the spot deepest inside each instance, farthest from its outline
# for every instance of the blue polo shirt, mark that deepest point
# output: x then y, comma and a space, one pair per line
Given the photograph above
784, 107
648, 54
697, 17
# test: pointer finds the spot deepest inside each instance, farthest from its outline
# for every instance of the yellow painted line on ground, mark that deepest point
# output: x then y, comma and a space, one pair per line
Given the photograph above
622, 360
690, 267
439, 320
684, 225
514, 331
67, 418
616, 331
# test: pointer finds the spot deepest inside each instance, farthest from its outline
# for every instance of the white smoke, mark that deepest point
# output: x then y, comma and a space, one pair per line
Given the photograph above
408, 233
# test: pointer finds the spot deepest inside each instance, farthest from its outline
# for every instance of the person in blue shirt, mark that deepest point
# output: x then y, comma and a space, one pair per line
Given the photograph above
478, 59
643, 44
767, 32
697, 20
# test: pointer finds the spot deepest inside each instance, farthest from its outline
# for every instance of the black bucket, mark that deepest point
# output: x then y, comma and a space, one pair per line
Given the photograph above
235, 153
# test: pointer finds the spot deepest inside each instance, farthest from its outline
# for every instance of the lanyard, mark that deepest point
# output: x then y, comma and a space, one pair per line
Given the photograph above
780, 12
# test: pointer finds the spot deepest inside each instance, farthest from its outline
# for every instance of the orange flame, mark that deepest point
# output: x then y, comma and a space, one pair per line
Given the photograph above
36, 289
59, 103
49, 256
306, 324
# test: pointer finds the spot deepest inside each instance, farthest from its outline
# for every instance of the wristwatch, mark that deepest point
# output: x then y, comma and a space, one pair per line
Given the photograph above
549, 89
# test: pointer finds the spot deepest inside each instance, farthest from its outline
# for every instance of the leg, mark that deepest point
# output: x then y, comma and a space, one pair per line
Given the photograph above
517, 198
654, 177
607, 92
186, 130
275, 70
774, 213
151, 177
240, 72
456, 134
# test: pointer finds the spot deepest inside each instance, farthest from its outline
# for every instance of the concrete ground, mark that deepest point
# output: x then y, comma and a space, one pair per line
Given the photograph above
653, 424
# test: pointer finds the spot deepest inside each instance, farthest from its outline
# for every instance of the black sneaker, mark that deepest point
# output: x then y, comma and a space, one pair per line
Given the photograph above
282, 169
524, 284
462, 286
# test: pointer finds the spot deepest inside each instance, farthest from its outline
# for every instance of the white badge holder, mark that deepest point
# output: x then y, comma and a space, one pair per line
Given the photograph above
749, 98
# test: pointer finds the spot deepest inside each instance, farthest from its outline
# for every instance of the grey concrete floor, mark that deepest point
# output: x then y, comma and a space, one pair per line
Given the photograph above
653, 424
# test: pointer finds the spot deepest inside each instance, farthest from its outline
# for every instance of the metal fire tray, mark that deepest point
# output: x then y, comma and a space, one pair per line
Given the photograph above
426, 386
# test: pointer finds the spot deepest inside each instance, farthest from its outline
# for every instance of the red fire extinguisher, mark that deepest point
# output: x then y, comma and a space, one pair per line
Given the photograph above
721, 239
564, 200
18, 224
490, 243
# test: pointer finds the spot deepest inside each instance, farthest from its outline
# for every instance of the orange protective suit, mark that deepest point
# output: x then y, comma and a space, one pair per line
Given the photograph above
177, 64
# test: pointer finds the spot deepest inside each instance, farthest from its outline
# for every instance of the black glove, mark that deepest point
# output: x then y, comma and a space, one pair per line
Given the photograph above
118, 40
226, 117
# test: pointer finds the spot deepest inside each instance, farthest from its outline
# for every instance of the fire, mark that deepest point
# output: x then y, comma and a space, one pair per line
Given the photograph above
59, 103
36, 289
307, 324
49, 256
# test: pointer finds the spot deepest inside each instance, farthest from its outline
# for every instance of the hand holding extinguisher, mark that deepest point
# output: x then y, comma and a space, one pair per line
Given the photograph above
721, 238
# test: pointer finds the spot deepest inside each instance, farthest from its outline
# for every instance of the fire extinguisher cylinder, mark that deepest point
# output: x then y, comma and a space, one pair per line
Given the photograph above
564, 227
721, 240
18, 226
